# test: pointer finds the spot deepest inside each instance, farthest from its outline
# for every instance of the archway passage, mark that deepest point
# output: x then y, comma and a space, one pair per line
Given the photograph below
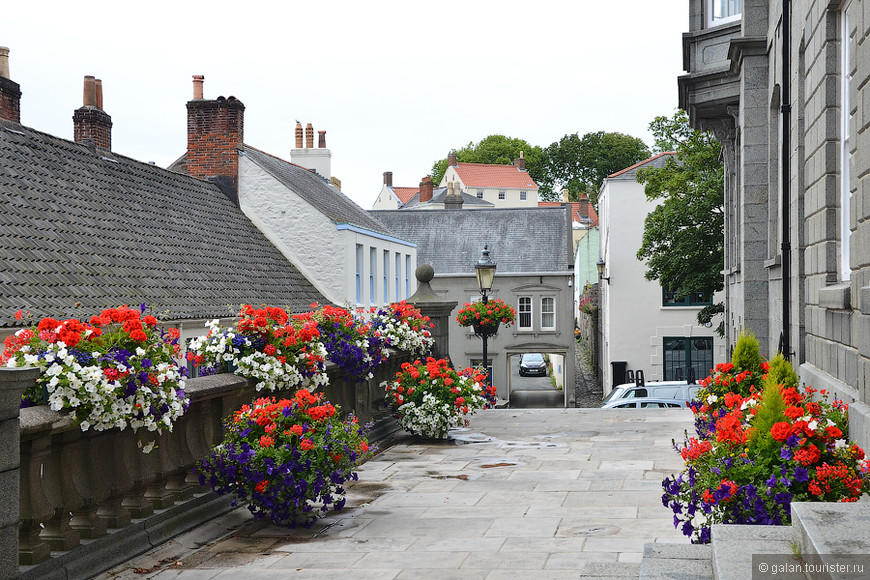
536, 381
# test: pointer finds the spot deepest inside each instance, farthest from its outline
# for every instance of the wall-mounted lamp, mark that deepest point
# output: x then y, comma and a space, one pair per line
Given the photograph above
600, 265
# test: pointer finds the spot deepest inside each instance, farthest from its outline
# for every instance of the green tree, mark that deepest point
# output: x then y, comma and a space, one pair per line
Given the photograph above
683, 236
496, 150
581, 164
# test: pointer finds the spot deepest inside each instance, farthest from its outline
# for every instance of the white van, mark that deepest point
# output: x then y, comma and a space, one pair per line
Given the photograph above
679, 390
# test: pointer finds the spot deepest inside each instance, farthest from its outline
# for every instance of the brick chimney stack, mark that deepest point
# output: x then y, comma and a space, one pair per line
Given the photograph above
584, 206
215, 132
10, 91
309, 136
90, 123
388, 178
321, 139
451, 159
426, 189
520, 162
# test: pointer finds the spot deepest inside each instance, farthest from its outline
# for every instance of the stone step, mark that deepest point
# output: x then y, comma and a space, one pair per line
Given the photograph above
834, 532
520, 399
734, 545
663, 561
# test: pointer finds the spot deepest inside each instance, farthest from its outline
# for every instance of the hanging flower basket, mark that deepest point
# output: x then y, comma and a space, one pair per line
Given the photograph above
487, 328
491, 312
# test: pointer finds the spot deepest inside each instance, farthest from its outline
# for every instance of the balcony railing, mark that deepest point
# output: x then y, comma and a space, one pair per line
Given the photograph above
90, 500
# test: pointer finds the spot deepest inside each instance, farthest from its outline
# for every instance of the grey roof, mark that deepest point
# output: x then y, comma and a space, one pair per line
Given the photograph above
534, 239
316, 190
438, 197
86, 225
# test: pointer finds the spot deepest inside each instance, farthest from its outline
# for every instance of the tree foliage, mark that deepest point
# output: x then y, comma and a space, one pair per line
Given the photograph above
582, 164
496, 150
683, 236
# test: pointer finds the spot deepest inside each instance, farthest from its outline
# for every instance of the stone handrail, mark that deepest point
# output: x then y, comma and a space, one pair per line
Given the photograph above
78, 485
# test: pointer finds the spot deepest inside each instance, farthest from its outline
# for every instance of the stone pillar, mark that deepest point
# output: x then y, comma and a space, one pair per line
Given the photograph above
12, 383
436, 308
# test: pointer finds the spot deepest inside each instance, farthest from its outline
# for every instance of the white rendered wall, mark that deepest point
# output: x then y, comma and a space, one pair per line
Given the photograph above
304, 235
634, 321
318, 159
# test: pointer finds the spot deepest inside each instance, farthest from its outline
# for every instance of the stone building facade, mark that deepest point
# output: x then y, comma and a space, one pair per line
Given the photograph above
784, 87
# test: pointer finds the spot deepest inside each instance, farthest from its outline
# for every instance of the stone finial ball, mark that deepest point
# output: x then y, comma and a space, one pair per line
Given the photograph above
424, 273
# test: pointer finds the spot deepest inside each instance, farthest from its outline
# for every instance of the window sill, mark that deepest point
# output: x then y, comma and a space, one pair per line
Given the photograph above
836, 296
774, 262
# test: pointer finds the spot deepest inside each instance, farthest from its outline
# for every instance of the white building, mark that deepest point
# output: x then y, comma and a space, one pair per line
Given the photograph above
642, 327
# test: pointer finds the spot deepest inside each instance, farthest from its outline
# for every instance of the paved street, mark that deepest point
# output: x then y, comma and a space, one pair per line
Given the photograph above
538, 493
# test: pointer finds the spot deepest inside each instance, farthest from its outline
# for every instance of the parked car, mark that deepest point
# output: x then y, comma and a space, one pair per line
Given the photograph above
533, 364
654, 389
646, 403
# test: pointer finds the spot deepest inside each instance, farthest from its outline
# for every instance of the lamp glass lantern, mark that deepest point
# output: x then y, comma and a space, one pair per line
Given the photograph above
485, 271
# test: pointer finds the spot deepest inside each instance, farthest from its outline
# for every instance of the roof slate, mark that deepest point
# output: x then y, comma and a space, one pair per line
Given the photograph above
575, 211
488, 175
316, 190
82, 225
439, 196
520, 239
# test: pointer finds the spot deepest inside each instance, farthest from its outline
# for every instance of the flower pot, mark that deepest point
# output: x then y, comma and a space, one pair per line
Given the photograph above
488, 329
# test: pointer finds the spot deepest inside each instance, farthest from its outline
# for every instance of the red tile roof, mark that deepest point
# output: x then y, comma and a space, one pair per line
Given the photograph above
405, 193
575, 211
487, 175
644, 162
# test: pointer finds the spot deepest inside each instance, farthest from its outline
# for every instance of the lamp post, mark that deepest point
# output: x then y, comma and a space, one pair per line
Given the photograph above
485, 271
600, 266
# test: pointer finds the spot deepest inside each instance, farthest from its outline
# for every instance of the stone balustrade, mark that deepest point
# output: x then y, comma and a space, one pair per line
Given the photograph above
80, 486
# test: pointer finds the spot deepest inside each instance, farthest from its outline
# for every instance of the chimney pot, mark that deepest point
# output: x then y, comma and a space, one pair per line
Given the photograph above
309, 136
89, 98
299, 135
4, 62
321, 139
99, 93
388, 178
197, 86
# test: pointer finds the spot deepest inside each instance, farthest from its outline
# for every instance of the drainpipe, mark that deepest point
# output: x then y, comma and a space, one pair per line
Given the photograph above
785, 339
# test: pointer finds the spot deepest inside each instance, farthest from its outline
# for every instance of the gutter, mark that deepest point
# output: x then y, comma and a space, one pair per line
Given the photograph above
785, 336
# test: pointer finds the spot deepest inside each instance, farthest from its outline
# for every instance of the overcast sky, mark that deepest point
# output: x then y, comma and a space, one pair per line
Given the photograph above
395, 84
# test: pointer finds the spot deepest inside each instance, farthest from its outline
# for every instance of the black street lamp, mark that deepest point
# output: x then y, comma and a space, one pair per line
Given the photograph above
485, 271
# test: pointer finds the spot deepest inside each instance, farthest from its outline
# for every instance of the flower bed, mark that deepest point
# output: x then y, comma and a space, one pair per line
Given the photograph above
117, 370
273, 349
288, 458
762, 442
488, 313
429, 398
404, 327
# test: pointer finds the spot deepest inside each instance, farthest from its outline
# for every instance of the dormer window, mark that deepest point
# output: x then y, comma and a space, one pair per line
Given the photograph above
723, 11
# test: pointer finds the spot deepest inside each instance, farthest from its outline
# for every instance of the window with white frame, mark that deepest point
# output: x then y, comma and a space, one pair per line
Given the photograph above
386, 276
524, 313
479, 194
723, 11
847, 112
523, 195
398, 273
548, 313
373, 267
359, 269
501, 195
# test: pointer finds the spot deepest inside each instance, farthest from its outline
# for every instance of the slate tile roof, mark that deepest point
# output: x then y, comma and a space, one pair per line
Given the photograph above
535, 239
440, 194
90, 226
487, 175
316, 190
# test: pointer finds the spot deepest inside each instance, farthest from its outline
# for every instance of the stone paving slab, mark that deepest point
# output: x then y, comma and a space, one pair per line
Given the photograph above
531, 493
